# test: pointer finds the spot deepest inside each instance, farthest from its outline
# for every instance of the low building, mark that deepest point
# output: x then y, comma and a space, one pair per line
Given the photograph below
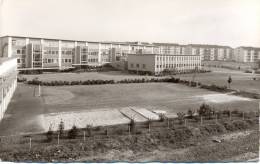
247, 54
158, 63
8, 82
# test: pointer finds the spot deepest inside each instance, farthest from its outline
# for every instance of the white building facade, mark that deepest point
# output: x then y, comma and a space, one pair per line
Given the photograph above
158, 63
8, 82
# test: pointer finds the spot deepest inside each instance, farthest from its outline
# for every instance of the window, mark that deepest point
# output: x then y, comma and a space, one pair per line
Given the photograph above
137, 65
132, 65
144, 65
18, 51
18, 61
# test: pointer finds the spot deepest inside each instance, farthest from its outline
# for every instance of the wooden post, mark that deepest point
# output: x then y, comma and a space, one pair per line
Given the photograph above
168, 123
243, 115
230, 115
185, 122
84, 135
216, 118
129, 129
58, 138
30, 144
201, 119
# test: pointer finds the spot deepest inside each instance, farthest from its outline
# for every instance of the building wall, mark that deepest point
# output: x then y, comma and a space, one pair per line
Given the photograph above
157, 63
8, 83
247, 54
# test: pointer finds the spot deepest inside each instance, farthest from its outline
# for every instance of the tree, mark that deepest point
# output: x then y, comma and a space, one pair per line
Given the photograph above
61, 128
181, 116
190, 113
73, 132
49, 134
229, 81
205, 110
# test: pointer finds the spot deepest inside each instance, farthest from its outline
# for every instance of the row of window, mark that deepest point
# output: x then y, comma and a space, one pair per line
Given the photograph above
167, 58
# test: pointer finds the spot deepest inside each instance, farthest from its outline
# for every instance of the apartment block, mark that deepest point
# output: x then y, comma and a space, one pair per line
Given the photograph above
8, 82
247, 54
157, 63
210, 52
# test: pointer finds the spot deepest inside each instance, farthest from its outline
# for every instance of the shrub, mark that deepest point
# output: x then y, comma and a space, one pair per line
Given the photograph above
229, 126
89, 130
73, 132
240, 124
61, 128
49, 135
206, 110
212, 129
190, 113
181, 117
162, 117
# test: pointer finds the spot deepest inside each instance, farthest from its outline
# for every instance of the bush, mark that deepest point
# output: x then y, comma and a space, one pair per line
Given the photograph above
49, 135
190, 113
89, 130
181, 117
73, 132
61, 128
240, 124
206, 110
212, 129
229, 126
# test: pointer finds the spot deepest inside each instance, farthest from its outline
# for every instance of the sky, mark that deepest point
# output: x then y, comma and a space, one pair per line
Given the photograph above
223, 22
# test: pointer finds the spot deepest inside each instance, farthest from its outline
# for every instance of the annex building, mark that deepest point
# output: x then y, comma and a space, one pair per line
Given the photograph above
8, 82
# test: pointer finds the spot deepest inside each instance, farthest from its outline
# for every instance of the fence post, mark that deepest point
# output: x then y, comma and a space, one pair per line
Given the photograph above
243, 115
129, 129
168, 123
84, 135
58, 138
216, 119
230, 115
185, 122
201, 119
30, 144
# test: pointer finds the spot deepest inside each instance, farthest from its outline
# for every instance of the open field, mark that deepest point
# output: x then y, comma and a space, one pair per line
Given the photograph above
218, 76
29, 113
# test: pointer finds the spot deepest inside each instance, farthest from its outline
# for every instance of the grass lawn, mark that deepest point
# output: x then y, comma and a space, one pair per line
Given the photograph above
240, 80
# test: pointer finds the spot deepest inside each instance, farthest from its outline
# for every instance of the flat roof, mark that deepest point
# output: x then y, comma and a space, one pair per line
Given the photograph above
70, 40
159, 55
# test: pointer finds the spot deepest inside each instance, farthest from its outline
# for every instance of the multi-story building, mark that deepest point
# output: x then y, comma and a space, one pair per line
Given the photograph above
8, 82
157, 63
247, 54
210, 52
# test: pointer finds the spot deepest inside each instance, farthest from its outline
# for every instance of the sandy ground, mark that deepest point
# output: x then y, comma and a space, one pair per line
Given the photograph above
222, 98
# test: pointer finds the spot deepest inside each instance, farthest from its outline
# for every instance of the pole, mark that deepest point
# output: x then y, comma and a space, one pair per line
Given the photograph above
216, 119
185, 122
39, 90
243, 115
201, 119
30, 143
129, 129
229, 115
84, 136
58, 139
168, 123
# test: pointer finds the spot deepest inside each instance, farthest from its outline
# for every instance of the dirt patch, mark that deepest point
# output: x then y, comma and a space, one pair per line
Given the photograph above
222, 98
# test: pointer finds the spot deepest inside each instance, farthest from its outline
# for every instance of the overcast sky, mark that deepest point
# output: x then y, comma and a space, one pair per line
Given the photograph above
224, 22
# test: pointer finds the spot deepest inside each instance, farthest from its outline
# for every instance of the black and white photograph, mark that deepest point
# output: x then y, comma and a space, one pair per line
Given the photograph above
143, 81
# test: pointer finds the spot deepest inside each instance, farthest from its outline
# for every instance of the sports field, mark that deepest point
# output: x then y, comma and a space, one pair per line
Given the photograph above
84, 104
